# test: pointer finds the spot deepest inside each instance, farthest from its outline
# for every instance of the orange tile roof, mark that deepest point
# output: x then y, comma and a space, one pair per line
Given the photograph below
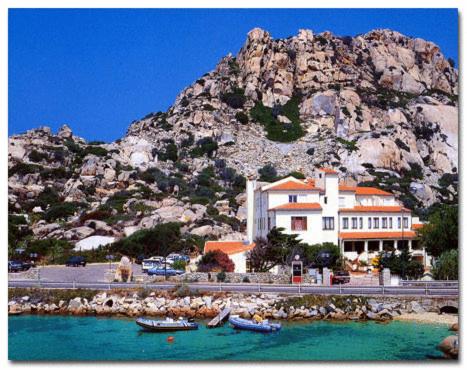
417, 226
292, 185
363, 190
378, 235
392, 209
297, 206
228, 247
328, 170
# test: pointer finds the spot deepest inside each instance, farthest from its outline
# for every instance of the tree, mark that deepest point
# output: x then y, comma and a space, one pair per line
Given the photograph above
267, 173
446, 266
440, 234
403, 264
314, 255
54, 248
160, 240
277, 249
216, 261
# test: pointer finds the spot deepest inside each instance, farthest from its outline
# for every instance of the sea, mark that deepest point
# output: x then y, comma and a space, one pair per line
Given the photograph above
90, 338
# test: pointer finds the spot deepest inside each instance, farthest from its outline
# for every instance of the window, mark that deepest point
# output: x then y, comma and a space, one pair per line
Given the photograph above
298, 223
384, 221
406, 222
328, 223
390, 222
354, 222
399, 222
369, 222
292, 199
341, 201
325, 200
269, 223
361, 222
345, 223
376, 222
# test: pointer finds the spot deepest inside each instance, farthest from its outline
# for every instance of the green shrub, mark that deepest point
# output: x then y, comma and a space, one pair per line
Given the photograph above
235, 99
179, 265
446, 267
24, 169
241, 117
221, 276
277, 131
246, 279
267, 173
60, 211
204, 146
95, 150
349, 145
36, 156
118, 200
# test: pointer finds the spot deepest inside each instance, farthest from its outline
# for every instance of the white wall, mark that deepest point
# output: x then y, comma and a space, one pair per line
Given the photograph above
348, 199
365, 216
312, 235
239, 259
277, 198
375, 200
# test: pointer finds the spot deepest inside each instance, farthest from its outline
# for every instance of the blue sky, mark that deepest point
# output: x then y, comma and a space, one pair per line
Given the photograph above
98, 70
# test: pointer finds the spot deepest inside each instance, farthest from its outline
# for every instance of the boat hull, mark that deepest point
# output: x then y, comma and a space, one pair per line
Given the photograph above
242, 324
158, 326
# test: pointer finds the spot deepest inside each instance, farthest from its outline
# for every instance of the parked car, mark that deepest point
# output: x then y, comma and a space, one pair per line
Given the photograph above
17, 266
150, 263
76, 261
161, 271
341, 277
176, 257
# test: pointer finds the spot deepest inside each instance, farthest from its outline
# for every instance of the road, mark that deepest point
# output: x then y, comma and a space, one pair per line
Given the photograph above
431, 290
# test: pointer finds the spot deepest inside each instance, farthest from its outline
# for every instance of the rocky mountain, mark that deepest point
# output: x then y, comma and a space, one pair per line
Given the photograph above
380, 108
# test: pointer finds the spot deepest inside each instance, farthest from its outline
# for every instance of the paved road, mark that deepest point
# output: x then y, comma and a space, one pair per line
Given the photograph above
428, 290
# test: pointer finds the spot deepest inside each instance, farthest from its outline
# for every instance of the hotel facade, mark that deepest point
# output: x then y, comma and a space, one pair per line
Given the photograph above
362, 221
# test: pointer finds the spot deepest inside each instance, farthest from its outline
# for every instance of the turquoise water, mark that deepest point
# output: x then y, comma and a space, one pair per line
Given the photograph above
96, 338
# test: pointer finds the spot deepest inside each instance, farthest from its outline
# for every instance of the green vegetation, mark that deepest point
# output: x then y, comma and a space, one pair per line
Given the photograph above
277, 131
36, 156
241, 117
403, 264
268, 173
441, 233
160, 240
61, 211
349, 145
385, 98
446, 267
235, 99
311, 254
277, 249
22, 169
205, 146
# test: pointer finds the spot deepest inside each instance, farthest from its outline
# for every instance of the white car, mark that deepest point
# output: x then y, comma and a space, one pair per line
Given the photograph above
149, 263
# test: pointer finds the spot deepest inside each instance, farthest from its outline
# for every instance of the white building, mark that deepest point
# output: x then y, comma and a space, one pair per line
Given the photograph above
236, 250
362, 220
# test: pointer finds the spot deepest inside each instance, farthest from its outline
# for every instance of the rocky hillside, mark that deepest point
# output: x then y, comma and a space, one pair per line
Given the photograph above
381, 108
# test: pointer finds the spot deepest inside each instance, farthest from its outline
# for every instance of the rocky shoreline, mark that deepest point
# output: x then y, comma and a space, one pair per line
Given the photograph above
182, 302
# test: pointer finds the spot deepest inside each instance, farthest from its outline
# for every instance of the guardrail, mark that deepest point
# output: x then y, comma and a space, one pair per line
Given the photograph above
425, 290
431, 283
